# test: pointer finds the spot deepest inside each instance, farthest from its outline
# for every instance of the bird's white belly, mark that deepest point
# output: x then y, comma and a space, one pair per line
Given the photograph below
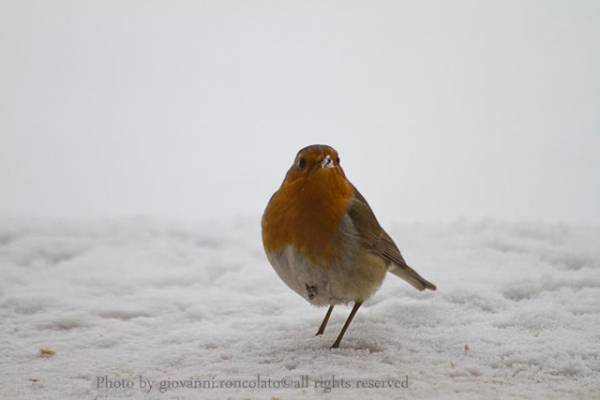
342, 282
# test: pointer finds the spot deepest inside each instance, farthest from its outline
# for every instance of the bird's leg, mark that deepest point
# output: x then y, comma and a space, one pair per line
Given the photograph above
325, 320
346, 325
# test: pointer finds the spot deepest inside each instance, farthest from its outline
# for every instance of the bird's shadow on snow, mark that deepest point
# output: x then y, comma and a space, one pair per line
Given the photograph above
297, 349
284, 340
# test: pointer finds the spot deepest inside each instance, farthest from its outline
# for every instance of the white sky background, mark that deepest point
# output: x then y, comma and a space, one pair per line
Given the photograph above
196, 109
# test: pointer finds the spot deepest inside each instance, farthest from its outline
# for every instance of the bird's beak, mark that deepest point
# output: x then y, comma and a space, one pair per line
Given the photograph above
327, 162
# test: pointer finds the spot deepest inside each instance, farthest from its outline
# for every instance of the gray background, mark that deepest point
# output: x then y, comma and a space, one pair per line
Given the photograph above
196, 109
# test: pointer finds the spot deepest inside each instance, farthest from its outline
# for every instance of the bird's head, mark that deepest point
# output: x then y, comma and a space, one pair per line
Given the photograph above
317, 161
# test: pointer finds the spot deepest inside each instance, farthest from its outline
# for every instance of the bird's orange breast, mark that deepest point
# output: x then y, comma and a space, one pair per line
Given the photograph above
306, 213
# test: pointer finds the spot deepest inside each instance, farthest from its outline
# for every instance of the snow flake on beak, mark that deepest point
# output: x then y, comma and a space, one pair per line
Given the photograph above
327, 162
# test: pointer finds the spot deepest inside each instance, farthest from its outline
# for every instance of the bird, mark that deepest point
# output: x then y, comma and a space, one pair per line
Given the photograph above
323, 240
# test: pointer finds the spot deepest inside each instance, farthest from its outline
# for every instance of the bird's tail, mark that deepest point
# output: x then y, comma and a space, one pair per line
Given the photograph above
411, 276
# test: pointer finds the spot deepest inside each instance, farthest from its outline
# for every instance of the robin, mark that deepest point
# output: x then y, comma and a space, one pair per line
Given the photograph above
323, 240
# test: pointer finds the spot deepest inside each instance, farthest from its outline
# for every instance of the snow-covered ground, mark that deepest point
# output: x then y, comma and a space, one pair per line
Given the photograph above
516, 314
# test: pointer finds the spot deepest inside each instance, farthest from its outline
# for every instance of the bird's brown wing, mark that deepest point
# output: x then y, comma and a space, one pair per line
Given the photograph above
375, 240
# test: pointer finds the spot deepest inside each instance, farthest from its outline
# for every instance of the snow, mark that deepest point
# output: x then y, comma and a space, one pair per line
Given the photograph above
516, 314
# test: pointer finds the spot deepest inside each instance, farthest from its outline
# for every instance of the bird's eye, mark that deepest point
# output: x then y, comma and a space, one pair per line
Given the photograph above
301, 163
